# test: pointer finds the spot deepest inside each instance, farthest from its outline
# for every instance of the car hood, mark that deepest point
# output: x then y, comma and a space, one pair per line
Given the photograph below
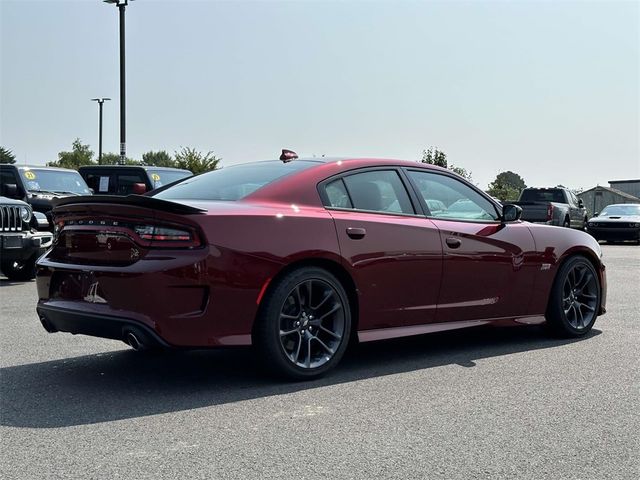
12, 201
617, 218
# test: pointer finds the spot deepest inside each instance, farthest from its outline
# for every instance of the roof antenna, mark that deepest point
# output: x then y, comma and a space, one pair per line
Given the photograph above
288, 155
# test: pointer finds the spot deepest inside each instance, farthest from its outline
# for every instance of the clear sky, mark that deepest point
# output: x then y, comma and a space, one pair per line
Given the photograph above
550, 90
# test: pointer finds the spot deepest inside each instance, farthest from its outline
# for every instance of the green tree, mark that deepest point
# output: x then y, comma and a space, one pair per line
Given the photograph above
507, 186
78, 156
158, 159
7, 156
433, 156
114, 159
195, 161
462, 172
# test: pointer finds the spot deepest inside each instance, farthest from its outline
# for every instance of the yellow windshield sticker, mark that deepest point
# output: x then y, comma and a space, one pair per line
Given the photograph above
30, 175
155, 177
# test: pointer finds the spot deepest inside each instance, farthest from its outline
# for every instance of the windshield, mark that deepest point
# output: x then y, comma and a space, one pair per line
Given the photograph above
165, 177
54, 181
621, 210
233, 183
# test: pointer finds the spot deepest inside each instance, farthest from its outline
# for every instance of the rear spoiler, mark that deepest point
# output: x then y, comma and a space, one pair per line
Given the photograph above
134, 200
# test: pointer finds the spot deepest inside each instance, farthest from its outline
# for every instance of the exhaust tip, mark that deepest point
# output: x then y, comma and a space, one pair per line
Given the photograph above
133, 341
47, 326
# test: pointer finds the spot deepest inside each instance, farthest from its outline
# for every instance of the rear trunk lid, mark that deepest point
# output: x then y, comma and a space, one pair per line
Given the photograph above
119, 231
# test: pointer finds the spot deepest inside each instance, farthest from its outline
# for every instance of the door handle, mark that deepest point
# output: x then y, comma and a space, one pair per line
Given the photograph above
453, 242
356, 232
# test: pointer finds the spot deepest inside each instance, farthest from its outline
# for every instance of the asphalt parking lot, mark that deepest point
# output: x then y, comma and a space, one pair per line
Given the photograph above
482, 403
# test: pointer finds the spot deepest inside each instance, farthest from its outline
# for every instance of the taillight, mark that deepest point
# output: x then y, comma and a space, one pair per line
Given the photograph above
549, 212
165, 236
162, 234
146, 235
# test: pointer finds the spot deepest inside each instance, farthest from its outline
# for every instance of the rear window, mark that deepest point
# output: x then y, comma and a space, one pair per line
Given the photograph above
542, 196
234, 182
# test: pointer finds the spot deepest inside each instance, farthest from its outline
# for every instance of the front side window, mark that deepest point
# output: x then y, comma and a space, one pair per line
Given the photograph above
449, 198
376, 191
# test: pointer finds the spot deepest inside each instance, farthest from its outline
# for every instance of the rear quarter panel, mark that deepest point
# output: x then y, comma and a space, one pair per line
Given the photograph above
247, 250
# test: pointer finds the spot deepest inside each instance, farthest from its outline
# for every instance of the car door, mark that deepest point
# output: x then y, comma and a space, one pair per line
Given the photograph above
392, 251
488, 265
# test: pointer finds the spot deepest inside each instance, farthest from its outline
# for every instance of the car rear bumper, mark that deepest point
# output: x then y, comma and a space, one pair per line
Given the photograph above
59, 319
185, 298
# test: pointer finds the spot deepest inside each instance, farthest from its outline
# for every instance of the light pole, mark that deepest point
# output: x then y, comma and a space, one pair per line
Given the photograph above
100, 102
121, 4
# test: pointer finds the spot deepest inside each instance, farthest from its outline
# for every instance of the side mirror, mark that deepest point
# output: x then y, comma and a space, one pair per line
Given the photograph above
511, 213
41, 221
139, 188
580, 203
11, 190
595, 214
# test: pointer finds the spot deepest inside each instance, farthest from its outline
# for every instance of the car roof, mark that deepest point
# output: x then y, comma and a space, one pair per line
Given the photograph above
40, 167
361, 161
134, 167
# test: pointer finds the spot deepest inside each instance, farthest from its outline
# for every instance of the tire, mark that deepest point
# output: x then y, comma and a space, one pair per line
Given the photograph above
575, 298
297, 336
19, 270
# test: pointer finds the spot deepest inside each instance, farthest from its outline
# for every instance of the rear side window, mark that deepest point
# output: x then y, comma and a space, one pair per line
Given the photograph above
376, 191
337, 194
235, 182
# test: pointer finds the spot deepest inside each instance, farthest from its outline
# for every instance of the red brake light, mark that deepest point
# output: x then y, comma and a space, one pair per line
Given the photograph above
156, 233
549, 212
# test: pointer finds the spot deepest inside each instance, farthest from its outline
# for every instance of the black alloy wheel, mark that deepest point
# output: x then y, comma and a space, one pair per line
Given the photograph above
304, 324
575, 298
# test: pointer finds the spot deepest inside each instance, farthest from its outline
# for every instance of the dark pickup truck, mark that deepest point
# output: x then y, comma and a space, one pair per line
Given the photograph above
552, 206
128, 179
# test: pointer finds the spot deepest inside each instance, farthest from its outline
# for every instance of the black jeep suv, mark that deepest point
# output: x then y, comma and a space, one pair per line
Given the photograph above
20, 241
38, 185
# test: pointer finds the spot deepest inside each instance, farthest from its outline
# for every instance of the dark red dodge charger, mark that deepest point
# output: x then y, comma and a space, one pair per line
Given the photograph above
297, 257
